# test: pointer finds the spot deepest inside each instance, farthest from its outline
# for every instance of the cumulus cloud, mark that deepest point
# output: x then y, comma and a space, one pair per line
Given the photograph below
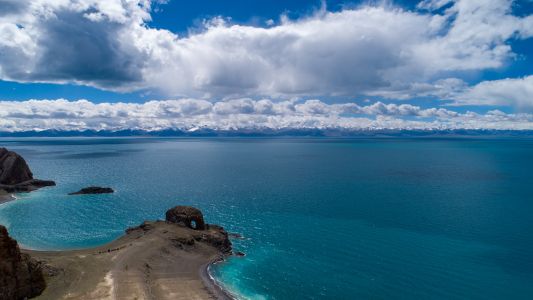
72, 41
242, 114
511, 91
375, 50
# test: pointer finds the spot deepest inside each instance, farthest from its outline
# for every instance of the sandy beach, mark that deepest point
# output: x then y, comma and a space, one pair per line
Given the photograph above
157, 260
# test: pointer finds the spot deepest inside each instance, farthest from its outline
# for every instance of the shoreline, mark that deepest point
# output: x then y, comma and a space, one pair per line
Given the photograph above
210, 282
159, 260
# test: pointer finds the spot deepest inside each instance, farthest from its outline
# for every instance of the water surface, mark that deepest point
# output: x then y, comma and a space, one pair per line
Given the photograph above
322, 218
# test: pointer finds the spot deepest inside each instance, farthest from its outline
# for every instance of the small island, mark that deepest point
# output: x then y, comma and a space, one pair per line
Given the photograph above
93, 190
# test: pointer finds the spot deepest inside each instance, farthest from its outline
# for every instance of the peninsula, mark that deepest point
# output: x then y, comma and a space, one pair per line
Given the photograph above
156, 260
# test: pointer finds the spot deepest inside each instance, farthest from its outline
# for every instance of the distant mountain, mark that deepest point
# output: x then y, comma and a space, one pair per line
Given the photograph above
288, 132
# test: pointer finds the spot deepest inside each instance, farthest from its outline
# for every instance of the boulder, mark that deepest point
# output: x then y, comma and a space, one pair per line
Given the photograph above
21, 277
188, 216
93, 190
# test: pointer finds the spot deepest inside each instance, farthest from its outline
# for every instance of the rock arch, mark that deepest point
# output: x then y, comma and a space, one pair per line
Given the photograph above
187, 216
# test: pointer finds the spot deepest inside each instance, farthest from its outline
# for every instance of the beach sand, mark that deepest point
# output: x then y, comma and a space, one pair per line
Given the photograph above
157, 260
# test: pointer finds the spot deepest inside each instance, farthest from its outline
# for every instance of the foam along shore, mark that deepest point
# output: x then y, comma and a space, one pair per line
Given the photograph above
156, 260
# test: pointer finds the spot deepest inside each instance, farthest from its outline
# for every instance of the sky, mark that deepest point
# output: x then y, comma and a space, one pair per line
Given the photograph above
236, 64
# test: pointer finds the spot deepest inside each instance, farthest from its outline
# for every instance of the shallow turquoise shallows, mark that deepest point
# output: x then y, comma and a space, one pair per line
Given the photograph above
322, 218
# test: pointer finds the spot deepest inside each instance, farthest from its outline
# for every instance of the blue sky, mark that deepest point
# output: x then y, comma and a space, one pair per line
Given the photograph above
453, 55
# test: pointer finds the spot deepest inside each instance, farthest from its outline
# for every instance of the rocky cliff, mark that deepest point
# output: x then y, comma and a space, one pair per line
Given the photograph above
15, 174
20, 276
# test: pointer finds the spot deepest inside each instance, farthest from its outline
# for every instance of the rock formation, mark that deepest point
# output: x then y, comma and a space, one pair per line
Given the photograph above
217, 237
13, 168
20, 276
16, 176
213, 235
93, 190
186, 215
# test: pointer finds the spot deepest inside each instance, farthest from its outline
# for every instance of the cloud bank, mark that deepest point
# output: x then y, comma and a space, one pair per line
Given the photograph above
370, 50
243, 114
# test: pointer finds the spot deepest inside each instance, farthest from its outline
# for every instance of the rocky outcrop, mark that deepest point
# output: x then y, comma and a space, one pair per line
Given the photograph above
213, 235
217, 237
20, 276
93, 190
13, 168
193, 218
188, 216
15, 174
27, 186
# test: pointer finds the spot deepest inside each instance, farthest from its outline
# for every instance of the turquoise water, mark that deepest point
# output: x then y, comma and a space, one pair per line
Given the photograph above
322, 218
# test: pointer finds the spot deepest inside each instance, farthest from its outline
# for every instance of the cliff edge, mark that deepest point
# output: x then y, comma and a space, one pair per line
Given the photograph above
21, 277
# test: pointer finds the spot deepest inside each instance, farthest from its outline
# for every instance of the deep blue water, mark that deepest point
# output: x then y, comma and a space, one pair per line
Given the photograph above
323, 218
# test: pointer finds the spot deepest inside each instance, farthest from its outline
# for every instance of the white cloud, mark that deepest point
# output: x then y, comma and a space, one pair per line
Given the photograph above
511, 91
368, 50
240, 114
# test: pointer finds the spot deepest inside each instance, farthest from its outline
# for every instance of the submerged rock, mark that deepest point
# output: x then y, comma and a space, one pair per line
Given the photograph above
15, 174
187, 216
234, 235
21, 277
93, 190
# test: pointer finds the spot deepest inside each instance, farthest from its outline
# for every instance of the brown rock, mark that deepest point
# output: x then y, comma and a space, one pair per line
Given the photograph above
188, 216
216, 237
21, 277
236, 236
16, 176
93, 190
13, 168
